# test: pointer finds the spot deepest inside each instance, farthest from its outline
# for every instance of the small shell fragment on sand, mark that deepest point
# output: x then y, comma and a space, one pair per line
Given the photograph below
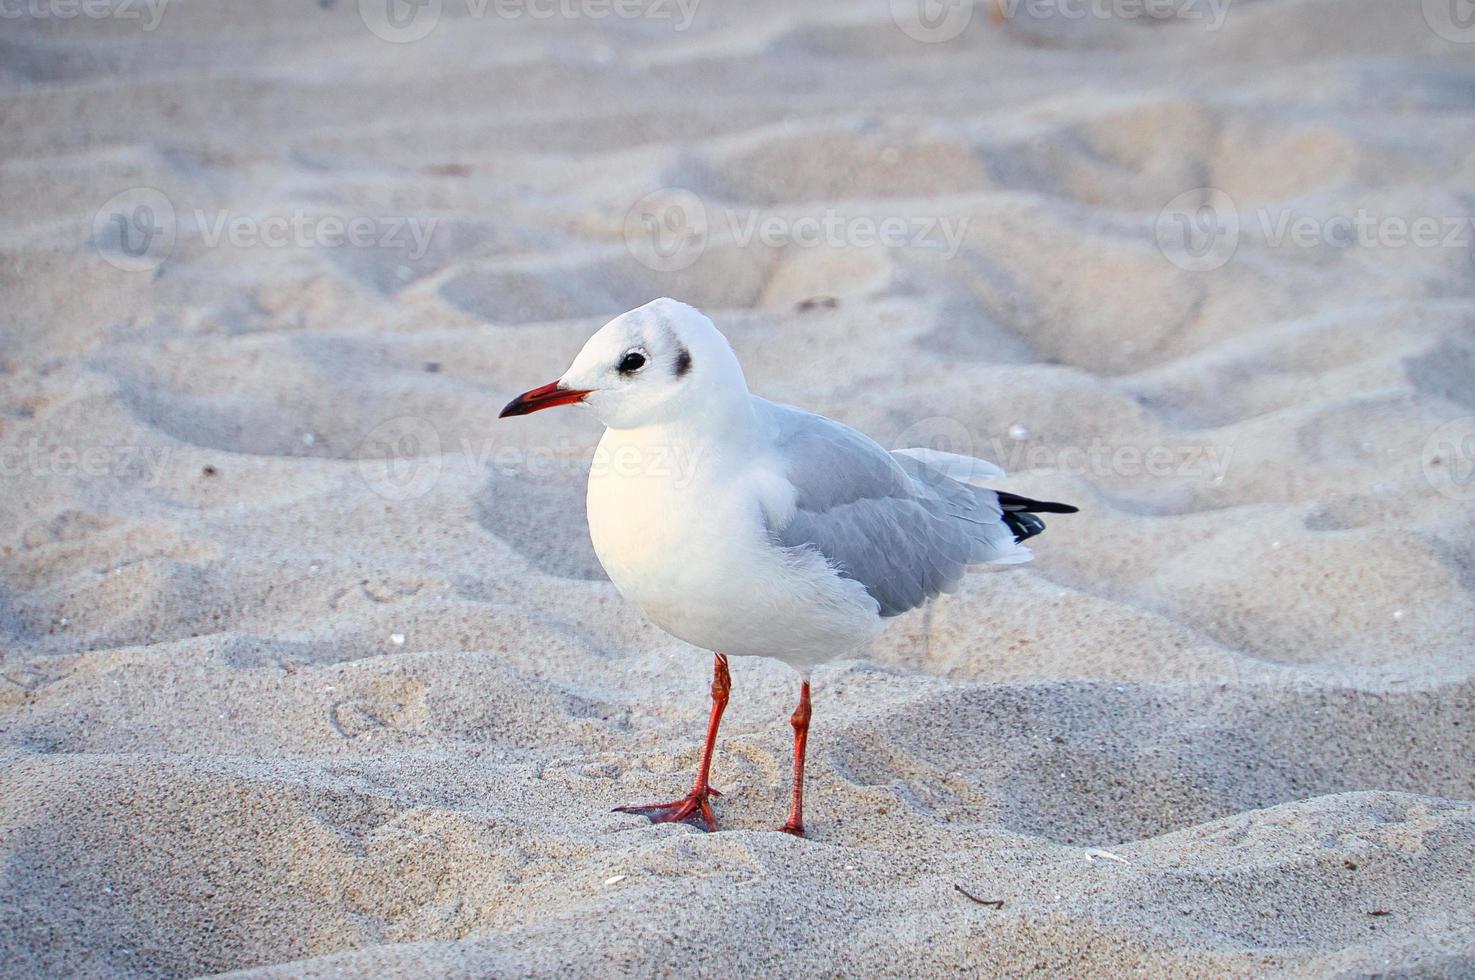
1097, 853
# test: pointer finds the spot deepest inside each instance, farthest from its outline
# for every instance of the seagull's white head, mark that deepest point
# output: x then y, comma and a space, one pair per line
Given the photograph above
658, 363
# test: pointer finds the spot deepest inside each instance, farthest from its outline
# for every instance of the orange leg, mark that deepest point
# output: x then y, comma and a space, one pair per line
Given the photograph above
800, 720
694, 805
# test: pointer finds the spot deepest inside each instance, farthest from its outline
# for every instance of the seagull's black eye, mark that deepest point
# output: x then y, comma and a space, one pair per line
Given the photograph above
632, 362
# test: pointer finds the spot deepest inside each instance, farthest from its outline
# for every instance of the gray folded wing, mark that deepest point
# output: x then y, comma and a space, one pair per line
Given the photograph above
891, 521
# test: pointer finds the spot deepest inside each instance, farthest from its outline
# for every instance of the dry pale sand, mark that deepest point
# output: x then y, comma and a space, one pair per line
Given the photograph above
271, 705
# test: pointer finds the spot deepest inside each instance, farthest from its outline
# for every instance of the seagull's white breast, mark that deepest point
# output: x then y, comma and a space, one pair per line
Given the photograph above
683, 534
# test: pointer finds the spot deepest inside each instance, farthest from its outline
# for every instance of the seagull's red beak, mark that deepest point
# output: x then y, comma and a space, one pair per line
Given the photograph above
540, 398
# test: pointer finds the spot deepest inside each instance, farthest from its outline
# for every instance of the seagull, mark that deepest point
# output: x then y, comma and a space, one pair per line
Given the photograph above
751, 528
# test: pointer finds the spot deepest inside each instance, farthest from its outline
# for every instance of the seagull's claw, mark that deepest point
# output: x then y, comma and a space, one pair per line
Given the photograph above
692, 808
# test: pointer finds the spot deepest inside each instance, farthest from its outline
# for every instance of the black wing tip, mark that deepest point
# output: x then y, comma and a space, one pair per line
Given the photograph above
1022, 525
1021, 513
1013, 502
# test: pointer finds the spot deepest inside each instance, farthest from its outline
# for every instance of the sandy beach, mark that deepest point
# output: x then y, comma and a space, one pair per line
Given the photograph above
308, 668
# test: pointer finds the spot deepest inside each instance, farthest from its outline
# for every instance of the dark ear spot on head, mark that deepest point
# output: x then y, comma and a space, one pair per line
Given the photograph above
683, 362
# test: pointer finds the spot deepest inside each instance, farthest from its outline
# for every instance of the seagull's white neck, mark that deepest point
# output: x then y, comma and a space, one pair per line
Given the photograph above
717, 424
